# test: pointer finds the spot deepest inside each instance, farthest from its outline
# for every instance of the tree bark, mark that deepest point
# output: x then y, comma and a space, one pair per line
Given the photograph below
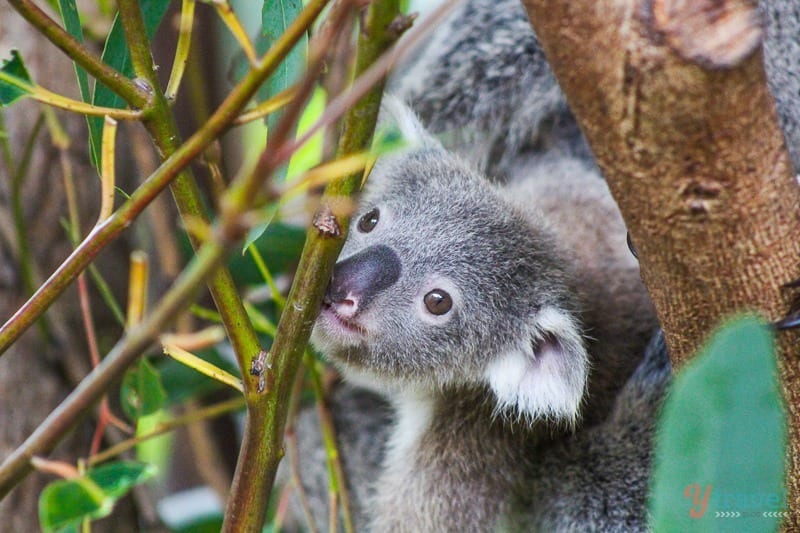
673, 99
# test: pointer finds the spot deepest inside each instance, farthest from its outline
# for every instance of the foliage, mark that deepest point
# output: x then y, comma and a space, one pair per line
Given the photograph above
276, 83
64, 504
719, 461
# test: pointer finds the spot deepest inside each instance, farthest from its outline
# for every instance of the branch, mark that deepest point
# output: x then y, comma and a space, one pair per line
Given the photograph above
227, 233
80, 54
262, 446
107, 232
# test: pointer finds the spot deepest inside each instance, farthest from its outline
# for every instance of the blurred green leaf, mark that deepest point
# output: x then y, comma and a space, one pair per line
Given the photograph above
276, 16
280, 245
72, 23
117, 55
14, 69
310, 154
142, 392
117, 478
721, 438
66, 502
63, 504
307, 157
204, 524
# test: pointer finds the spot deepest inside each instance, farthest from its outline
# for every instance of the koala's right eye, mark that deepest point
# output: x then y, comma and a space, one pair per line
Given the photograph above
438, 302
369, 220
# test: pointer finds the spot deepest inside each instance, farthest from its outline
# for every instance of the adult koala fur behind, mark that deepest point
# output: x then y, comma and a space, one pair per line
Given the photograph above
502, 362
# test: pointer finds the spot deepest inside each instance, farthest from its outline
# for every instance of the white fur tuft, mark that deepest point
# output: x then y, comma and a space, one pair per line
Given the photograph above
396, 113
544, 377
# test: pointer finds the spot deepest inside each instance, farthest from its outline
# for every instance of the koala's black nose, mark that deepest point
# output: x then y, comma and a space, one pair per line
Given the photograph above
359, 278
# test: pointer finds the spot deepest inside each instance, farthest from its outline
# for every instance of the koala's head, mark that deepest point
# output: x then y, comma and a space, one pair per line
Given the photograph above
443, 282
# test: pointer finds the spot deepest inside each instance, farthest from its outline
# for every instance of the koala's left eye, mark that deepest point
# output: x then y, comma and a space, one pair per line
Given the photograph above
438, 302
369, 220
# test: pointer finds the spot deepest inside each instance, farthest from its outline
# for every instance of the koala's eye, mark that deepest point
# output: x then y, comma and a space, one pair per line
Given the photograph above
369, 220
438, 302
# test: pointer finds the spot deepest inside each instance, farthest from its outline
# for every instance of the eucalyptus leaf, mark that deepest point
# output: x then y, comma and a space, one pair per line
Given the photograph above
117, 55
719, 463
142, 392
72, 23
117, 478
276, 16
14, 69
65, 503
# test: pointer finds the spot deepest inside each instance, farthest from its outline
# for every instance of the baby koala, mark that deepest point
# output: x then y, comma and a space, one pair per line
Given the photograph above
496, 321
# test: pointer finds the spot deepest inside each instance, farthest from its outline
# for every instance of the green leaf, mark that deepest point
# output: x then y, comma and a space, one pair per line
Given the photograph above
13, 79
72, 23
116, 479
721, 438
307, 157
310, 154
63, 504
117, 55
276, 16
142, 392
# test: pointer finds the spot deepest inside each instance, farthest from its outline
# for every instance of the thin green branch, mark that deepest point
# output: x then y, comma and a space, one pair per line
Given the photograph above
109, 77
262, 446
18, 214
181, 49
111, 368
104, 234
203, 413
209, 257
336, 475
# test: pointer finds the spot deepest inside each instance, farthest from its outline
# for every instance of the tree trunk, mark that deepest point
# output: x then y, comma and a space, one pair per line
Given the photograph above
673, 99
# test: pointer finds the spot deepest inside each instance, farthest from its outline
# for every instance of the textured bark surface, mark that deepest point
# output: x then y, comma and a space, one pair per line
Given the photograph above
673, 99
36, 374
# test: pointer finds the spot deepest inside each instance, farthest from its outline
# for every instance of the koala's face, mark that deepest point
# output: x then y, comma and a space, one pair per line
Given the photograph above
442, 282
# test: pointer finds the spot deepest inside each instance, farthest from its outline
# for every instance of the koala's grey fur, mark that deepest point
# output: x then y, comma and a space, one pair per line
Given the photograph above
541, 259
483, 86
544, 289
782, 63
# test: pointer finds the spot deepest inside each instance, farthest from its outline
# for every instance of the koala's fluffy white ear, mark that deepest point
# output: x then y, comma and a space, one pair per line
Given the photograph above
545, 376
396, 115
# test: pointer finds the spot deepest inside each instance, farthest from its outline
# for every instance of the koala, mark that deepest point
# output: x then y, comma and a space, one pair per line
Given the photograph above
495, 319
503, 366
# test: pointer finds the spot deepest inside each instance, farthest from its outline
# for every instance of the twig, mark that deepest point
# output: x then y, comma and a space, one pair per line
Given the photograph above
112, 79
107, 169
203, 413
181, 49
338, 483
261, 449
104, 234
294, 456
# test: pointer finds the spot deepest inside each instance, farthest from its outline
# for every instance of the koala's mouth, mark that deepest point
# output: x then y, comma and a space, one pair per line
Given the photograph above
340, 322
